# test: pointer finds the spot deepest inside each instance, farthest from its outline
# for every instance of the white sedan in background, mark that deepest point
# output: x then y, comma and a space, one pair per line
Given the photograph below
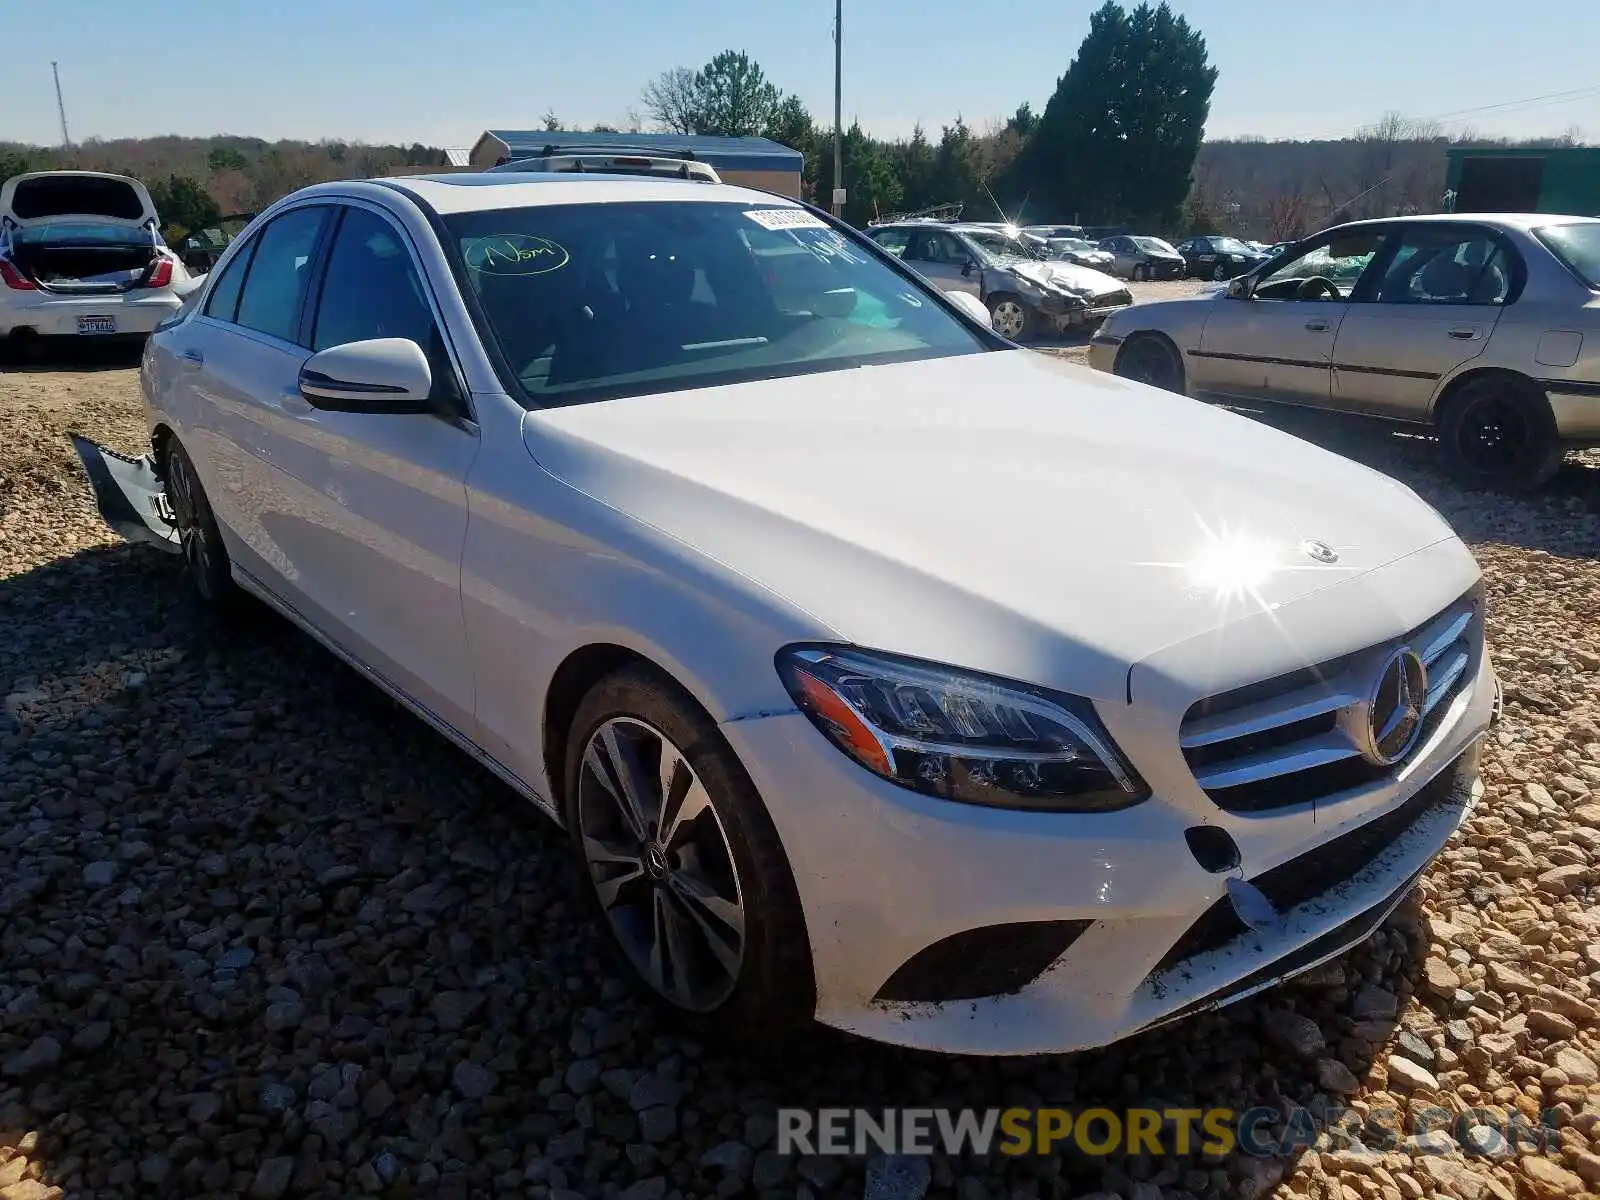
81, 256
883, 673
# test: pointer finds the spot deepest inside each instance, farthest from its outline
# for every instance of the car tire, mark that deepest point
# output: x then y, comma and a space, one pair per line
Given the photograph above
1219, 273
1496, 432
1010, 317
1151, 359
1140, 273
205, 558
718, 872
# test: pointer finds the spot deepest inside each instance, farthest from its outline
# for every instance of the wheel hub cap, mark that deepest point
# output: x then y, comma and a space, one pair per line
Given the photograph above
655, 862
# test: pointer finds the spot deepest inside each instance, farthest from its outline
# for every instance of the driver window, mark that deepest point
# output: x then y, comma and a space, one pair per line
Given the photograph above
943, 248
1328, 271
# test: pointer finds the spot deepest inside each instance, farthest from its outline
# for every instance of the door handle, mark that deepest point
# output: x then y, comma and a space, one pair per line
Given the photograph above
1317, 326
193, 358
1466, 335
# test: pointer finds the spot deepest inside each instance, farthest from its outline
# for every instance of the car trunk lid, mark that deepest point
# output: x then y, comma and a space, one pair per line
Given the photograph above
80, 232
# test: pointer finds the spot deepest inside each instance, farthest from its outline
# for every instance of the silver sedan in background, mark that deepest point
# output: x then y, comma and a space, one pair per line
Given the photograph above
1484, 328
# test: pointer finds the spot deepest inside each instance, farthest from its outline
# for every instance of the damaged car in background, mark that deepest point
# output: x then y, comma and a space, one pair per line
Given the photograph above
81, 256
1026, 295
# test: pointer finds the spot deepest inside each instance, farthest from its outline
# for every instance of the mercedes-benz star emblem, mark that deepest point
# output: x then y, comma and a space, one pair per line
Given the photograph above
1320, 551
655, 861
1394, 714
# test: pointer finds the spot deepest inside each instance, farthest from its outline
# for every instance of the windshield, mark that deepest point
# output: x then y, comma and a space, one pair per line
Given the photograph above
1230, 246
591, 301
81, 233
1002, 249
1156, 244
1072, 244
1577, 246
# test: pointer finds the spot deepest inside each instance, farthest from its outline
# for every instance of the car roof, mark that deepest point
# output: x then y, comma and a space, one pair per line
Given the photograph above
481, 191
1523, 221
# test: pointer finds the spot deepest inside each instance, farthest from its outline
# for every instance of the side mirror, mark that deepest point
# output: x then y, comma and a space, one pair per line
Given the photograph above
971, 305
966, 267
381, 375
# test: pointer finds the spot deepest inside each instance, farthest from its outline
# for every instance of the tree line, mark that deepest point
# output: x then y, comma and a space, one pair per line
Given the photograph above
1118, 142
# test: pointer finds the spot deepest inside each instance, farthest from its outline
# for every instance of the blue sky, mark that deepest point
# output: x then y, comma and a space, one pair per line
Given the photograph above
440, 73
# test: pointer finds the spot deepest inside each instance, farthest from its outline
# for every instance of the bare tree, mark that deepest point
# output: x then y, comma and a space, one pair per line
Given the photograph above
672, 100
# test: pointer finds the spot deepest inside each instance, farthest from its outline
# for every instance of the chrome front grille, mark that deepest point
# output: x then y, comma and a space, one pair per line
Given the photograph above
1306, 735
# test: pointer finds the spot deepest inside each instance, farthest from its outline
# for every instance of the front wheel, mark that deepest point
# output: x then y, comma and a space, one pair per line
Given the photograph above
1150, 359
1219, 272
683, 862
1011, 318
1140, 273
205, 558
1497, 432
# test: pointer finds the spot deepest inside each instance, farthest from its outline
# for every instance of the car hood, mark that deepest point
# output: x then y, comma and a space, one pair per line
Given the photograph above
1005, 511
1072, 276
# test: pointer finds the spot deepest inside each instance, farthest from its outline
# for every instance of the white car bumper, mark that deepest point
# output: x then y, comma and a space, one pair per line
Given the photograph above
53, 315
1093, 926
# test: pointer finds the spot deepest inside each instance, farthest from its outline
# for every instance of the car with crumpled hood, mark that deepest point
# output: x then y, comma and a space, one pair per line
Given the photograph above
1026, 295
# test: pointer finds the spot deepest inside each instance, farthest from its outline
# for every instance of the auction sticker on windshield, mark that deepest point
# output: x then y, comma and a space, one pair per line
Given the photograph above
513, 254
784, 218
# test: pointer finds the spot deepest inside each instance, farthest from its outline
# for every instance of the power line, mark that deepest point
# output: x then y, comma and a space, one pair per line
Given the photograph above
1549, 98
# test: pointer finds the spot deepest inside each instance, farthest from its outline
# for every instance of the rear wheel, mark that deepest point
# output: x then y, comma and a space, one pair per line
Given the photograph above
1497, 432
1151, 359
1011, 318
683, 863
205, 558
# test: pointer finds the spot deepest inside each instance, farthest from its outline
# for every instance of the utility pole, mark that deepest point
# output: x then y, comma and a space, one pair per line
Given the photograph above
838, 106
66, 142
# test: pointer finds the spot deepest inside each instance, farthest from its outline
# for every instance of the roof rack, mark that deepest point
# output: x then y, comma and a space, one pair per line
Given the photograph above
554, 151
938, 212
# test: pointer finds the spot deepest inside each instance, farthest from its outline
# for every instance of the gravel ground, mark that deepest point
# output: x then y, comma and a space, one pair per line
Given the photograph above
264, 934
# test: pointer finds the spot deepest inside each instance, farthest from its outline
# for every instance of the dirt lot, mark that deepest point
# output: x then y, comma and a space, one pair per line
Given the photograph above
263, 934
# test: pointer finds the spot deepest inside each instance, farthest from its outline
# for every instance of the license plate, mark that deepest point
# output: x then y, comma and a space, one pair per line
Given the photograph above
88, 325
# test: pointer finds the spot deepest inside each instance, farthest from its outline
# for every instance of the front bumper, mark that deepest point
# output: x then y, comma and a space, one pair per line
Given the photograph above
886, 876
1103, 348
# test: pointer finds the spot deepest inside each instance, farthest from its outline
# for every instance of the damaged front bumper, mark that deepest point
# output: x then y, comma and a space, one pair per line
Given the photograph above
129, 494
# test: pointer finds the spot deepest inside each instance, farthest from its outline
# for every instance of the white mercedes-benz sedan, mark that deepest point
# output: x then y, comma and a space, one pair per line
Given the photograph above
884, 674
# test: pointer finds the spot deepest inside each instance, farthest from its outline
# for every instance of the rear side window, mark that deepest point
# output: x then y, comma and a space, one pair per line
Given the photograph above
223, 303
1448, 266
275, 287
894, 241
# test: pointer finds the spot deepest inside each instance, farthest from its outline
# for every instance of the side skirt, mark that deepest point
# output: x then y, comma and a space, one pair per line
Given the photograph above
283, 608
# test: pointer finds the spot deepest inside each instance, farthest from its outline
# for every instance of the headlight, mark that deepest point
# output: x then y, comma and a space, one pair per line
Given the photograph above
1028, 287
959, 735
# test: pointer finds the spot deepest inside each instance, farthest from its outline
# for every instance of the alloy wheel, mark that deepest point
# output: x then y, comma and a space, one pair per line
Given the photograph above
661, 863
1219, 272
193, 537
1009, 319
